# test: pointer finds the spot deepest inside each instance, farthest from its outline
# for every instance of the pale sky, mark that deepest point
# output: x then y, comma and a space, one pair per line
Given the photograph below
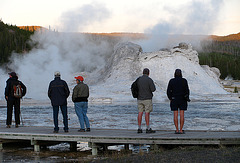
220, 17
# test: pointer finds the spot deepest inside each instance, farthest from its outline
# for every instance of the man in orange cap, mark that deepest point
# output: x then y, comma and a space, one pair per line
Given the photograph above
80, 98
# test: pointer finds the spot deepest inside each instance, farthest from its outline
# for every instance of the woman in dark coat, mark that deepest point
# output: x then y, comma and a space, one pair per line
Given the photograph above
178, 94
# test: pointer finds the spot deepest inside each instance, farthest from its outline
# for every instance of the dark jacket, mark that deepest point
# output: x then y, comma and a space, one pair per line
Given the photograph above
146, 87
58, 92
80, 93
9, 87
177, 88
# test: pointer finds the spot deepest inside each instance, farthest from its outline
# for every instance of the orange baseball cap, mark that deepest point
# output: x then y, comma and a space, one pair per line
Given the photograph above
79, 78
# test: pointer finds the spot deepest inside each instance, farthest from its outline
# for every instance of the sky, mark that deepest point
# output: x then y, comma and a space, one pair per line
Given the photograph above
219, 17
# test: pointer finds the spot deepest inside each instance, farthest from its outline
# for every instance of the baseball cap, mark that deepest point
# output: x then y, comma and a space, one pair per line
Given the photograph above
57, 73
79, 78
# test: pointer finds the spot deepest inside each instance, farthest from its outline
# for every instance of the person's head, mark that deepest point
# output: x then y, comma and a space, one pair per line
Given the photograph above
79, 79
178, 73
146, 71
57, 74
12, 75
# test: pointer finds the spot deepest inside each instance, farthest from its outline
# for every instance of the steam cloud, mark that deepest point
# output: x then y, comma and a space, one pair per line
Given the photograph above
71, 54
74, 54
195, 18
79, 19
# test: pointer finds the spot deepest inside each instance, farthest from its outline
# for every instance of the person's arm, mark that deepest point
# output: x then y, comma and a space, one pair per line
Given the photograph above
187, 88
66, 89
88, 91
74, 94
49, 90
24, 89
152, 86
7, 90
169, 90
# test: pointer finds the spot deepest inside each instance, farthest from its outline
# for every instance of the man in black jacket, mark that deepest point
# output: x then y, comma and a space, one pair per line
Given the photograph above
178, 94
12, 100
58, 93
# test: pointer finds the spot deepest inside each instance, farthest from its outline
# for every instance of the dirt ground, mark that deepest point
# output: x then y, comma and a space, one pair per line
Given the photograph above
179, 155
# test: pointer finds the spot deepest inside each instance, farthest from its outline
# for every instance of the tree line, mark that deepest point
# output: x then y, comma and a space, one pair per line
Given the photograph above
12, 39
225, 55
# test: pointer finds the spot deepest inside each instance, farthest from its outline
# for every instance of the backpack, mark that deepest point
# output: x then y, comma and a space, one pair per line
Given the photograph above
17, 90
134, 89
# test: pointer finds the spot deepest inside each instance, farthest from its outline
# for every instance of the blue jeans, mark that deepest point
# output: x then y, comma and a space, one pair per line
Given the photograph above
81, 111
64, 114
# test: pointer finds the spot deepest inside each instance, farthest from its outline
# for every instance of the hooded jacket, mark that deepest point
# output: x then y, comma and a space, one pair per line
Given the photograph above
177, 88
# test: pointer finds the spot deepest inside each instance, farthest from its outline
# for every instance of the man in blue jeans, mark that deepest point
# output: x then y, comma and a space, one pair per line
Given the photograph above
80, 98
58, 93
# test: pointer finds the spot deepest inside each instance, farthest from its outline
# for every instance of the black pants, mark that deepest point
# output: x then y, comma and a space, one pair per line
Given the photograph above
10, 103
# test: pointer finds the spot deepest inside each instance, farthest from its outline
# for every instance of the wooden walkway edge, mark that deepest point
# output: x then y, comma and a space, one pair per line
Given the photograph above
39, 136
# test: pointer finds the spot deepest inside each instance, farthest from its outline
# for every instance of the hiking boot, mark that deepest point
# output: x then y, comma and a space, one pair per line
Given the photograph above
8, 126
16, 126
81, 130
139, 131
55, 131
65, 130
88, 130
150, 131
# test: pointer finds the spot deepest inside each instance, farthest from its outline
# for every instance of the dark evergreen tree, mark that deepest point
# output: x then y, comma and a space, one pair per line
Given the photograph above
12, 39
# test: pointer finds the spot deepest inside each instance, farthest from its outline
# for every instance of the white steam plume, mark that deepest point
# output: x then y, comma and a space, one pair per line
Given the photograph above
70, 53
81, 18
194, 21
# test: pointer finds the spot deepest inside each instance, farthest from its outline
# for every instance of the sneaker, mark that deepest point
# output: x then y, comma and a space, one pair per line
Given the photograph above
139, 131
16, 125
65, 130
55, 131
81, 130
150, 131
88, 130
8, 126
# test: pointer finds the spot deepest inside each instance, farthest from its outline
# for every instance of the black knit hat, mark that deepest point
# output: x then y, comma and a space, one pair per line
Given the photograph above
12, 74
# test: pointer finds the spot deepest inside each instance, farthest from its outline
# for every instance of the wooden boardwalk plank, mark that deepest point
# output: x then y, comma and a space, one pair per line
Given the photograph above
119, 136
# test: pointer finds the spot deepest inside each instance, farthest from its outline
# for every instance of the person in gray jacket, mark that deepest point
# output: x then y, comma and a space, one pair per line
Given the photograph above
146, 87
80, 98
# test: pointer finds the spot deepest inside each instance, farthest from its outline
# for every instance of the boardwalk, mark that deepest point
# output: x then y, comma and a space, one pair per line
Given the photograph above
39, 136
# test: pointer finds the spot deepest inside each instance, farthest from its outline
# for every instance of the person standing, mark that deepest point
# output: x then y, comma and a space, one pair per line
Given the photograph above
178, 94
80, 98
146, 87
14, 91
58, 93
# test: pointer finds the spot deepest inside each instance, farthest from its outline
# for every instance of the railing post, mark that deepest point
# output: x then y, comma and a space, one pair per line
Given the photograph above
73, 146
36, 145
1, 146
94, 149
